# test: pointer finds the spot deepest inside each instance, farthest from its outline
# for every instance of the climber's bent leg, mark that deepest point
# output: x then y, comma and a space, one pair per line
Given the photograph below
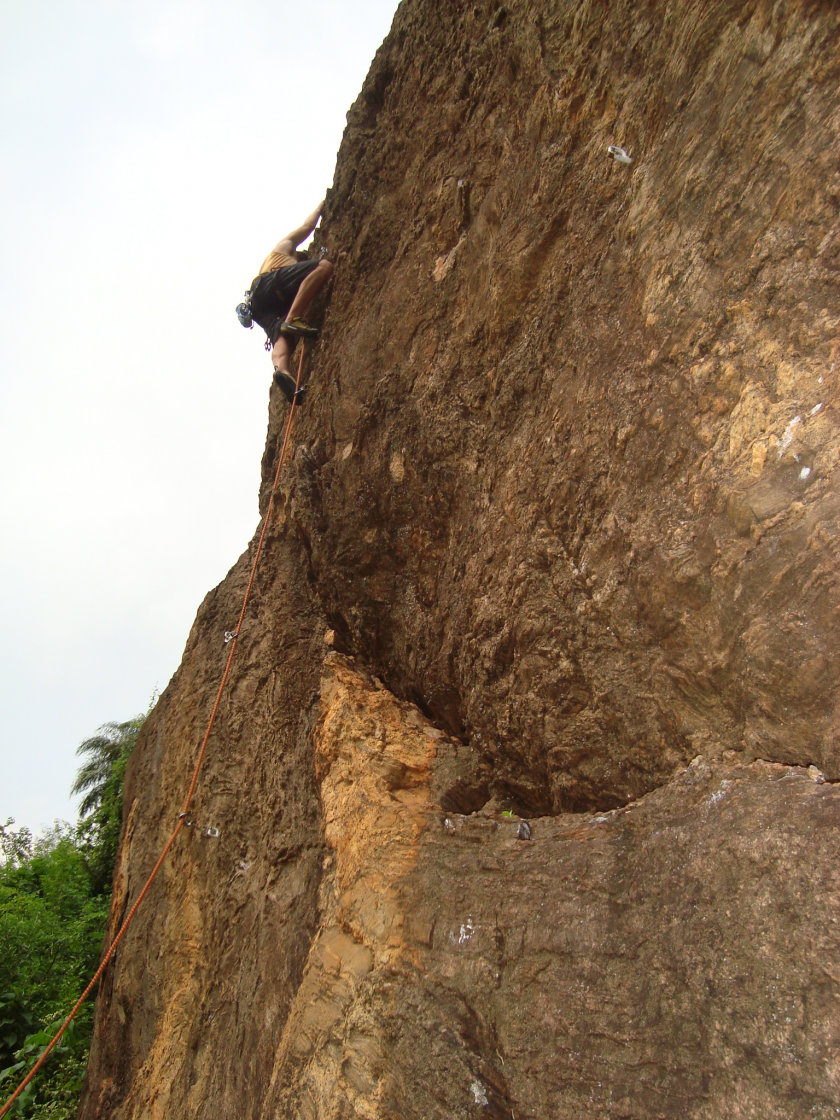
309, 289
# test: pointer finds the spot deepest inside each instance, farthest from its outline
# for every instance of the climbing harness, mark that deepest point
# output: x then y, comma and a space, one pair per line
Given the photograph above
271, 295
184, 818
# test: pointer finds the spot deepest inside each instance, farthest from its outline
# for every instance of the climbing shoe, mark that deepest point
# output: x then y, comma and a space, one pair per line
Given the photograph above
299, 328
286, 384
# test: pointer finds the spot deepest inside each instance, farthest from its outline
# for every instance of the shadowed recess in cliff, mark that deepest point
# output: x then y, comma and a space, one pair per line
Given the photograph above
557, 487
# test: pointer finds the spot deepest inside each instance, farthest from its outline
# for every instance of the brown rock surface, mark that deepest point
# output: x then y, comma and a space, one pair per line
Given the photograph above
565, 489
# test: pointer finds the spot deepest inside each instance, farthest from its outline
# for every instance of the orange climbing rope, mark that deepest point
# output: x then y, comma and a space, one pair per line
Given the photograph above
182, 819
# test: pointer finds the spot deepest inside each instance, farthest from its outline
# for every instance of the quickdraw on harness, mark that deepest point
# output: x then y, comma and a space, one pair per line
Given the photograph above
245, 314
245, 310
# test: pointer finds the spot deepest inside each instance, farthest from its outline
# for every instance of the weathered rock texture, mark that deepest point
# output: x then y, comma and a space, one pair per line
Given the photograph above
564, 495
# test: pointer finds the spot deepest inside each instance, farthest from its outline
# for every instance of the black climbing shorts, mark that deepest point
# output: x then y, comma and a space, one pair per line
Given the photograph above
273, 293
289, 279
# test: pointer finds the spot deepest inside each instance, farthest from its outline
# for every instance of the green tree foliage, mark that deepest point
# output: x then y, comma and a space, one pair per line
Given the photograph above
100, 779
54, 897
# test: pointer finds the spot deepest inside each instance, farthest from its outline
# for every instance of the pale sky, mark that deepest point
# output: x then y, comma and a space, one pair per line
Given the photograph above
151, 153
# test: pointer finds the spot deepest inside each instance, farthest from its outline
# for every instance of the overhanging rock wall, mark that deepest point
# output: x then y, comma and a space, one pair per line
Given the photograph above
564, 496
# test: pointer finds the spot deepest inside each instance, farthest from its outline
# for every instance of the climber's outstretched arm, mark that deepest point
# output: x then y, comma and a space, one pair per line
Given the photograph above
290, 242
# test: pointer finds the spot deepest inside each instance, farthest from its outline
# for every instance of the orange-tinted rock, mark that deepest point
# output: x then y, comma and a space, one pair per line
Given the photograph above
566, 481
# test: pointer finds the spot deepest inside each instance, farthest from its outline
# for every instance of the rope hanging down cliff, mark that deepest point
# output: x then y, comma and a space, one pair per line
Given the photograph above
183, 816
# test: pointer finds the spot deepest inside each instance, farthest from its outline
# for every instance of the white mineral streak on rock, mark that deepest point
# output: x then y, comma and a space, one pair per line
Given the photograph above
787, 435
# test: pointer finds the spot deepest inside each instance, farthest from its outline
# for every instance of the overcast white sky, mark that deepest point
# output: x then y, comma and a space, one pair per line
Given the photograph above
151, 153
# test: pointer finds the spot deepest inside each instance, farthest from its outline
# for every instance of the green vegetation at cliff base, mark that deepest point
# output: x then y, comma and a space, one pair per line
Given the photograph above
55, 892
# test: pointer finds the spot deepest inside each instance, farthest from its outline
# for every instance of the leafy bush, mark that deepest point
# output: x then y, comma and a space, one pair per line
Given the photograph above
54, 1095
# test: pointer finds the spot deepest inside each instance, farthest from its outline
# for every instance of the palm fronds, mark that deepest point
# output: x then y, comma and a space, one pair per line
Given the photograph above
103, 750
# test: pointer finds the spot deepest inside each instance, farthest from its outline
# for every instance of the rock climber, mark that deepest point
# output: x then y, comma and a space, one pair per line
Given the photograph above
281, 295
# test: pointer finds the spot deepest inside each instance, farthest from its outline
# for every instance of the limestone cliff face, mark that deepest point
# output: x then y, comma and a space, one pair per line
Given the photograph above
563, 498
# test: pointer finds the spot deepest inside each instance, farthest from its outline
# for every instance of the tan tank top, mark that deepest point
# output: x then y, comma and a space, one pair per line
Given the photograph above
276, 260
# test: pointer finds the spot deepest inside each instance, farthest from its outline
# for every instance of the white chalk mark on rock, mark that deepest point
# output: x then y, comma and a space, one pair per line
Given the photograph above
466, 932
720, 793
479, 1096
